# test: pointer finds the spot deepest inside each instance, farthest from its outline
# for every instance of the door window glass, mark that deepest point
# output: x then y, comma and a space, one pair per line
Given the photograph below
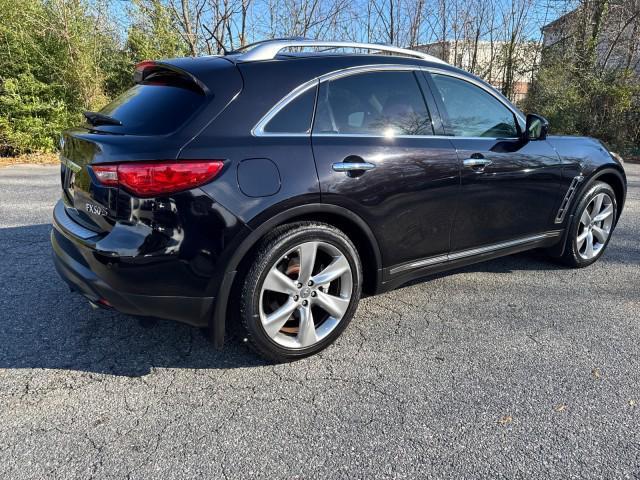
295, 117
373, 103
473, 112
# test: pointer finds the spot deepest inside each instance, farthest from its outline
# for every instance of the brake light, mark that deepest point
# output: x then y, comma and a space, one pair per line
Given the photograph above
139, 72
148, 179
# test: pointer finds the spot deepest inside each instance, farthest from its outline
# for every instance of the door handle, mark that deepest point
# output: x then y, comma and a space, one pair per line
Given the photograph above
477, 164
352, 166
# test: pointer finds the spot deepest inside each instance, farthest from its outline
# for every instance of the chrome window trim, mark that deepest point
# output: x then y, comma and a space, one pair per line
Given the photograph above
391, 137
471, 252
258, 129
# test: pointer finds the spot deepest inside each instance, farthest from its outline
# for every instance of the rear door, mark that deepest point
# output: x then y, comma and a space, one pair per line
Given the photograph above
510, 187
377, 155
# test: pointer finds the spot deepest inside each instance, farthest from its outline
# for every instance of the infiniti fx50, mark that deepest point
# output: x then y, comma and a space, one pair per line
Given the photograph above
273, 186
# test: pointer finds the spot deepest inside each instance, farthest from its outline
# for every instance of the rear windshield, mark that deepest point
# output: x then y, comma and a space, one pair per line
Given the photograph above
154, 107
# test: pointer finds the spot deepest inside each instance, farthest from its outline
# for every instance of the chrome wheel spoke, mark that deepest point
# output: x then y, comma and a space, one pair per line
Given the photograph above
588, 251
308, 252
307, 330
277, 281
597, 204
338, 267
332, 304
600, 234
585, 219
276, 320
603, 214
581, 238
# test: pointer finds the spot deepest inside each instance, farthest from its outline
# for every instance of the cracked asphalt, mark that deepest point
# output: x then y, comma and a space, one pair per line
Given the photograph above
515, 368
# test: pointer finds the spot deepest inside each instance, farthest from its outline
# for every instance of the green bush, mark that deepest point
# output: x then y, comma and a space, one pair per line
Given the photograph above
31, 115
60, 57
606, 106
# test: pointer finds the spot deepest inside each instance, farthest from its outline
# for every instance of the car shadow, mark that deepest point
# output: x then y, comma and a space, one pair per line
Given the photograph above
44, 325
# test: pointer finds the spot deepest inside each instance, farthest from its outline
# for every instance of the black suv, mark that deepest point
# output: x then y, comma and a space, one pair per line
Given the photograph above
274, 185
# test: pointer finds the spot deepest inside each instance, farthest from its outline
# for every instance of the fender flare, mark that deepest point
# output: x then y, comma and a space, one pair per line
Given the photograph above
218, 318
622, 178
558, 250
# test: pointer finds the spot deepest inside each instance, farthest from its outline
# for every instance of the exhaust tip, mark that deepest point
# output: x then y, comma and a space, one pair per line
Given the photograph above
102, 303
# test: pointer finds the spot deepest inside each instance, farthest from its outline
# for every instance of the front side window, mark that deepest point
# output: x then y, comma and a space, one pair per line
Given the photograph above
472, 111
373, 103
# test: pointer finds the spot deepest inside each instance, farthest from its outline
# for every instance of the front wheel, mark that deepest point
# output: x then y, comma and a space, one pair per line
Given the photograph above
593, 222
301, 290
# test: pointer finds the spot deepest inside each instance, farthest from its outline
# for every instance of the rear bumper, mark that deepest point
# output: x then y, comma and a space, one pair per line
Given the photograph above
76, 262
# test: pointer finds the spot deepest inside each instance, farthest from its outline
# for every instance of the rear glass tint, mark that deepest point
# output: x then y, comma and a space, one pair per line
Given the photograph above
153, 107
296, 116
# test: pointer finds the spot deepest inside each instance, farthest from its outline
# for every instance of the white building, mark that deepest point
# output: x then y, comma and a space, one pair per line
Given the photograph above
490, 61
619, 40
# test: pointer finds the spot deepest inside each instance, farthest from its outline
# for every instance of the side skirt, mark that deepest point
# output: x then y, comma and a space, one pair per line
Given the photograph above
398, 275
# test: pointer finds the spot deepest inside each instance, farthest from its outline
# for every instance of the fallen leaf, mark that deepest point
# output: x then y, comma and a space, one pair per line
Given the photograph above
632, 403
596, 373
560, 408
506, 419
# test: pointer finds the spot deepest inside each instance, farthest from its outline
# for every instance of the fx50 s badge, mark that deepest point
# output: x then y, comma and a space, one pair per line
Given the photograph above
96, 209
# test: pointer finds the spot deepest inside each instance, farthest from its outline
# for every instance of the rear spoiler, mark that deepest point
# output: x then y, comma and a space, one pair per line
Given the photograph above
149, 67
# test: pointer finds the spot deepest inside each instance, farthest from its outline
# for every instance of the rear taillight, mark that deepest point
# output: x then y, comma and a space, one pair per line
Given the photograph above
107, 174
148, 179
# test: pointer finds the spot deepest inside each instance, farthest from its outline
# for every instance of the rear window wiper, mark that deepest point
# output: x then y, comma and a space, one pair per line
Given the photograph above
96, 118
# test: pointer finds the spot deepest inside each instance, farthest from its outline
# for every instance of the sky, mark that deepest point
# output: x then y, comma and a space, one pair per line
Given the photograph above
539, 13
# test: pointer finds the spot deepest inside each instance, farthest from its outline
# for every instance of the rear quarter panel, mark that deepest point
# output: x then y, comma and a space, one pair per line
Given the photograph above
229, 138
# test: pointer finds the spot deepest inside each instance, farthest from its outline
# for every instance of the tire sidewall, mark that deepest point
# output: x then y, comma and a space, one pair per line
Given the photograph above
572, 250
267, 257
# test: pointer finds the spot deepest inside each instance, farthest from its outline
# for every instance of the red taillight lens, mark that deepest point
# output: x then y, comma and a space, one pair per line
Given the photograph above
106, 174
148, 179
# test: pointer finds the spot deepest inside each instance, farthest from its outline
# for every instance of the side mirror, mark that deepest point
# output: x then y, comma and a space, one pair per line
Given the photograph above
537, 127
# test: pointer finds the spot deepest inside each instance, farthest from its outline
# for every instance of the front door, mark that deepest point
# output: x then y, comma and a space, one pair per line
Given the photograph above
510, 188
376, 154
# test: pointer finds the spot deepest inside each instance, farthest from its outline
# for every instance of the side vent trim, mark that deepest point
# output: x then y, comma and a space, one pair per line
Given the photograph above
566, 202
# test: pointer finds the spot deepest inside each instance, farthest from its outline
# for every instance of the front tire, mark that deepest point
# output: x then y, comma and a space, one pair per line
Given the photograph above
301, 291
593, 222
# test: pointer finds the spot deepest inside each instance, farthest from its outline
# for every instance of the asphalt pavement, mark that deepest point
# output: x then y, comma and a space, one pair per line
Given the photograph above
515, 368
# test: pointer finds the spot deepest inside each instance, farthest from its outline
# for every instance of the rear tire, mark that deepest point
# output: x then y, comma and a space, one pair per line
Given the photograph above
590, 230
301, 290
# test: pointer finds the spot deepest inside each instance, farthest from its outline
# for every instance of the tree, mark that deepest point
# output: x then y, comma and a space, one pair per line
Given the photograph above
154, 33
586, 84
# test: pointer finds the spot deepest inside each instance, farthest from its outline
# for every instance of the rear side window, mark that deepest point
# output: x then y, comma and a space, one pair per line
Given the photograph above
473, 112
373, 103
156, 106
295, 117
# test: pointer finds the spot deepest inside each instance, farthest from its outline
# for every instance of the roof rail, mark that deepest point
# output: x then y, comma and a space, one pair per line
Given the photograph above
268, 49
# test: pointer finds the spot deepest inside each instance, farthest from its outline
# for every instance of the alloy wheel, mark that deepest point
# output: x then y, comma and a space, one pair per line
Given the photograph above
305, 294
595, 226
